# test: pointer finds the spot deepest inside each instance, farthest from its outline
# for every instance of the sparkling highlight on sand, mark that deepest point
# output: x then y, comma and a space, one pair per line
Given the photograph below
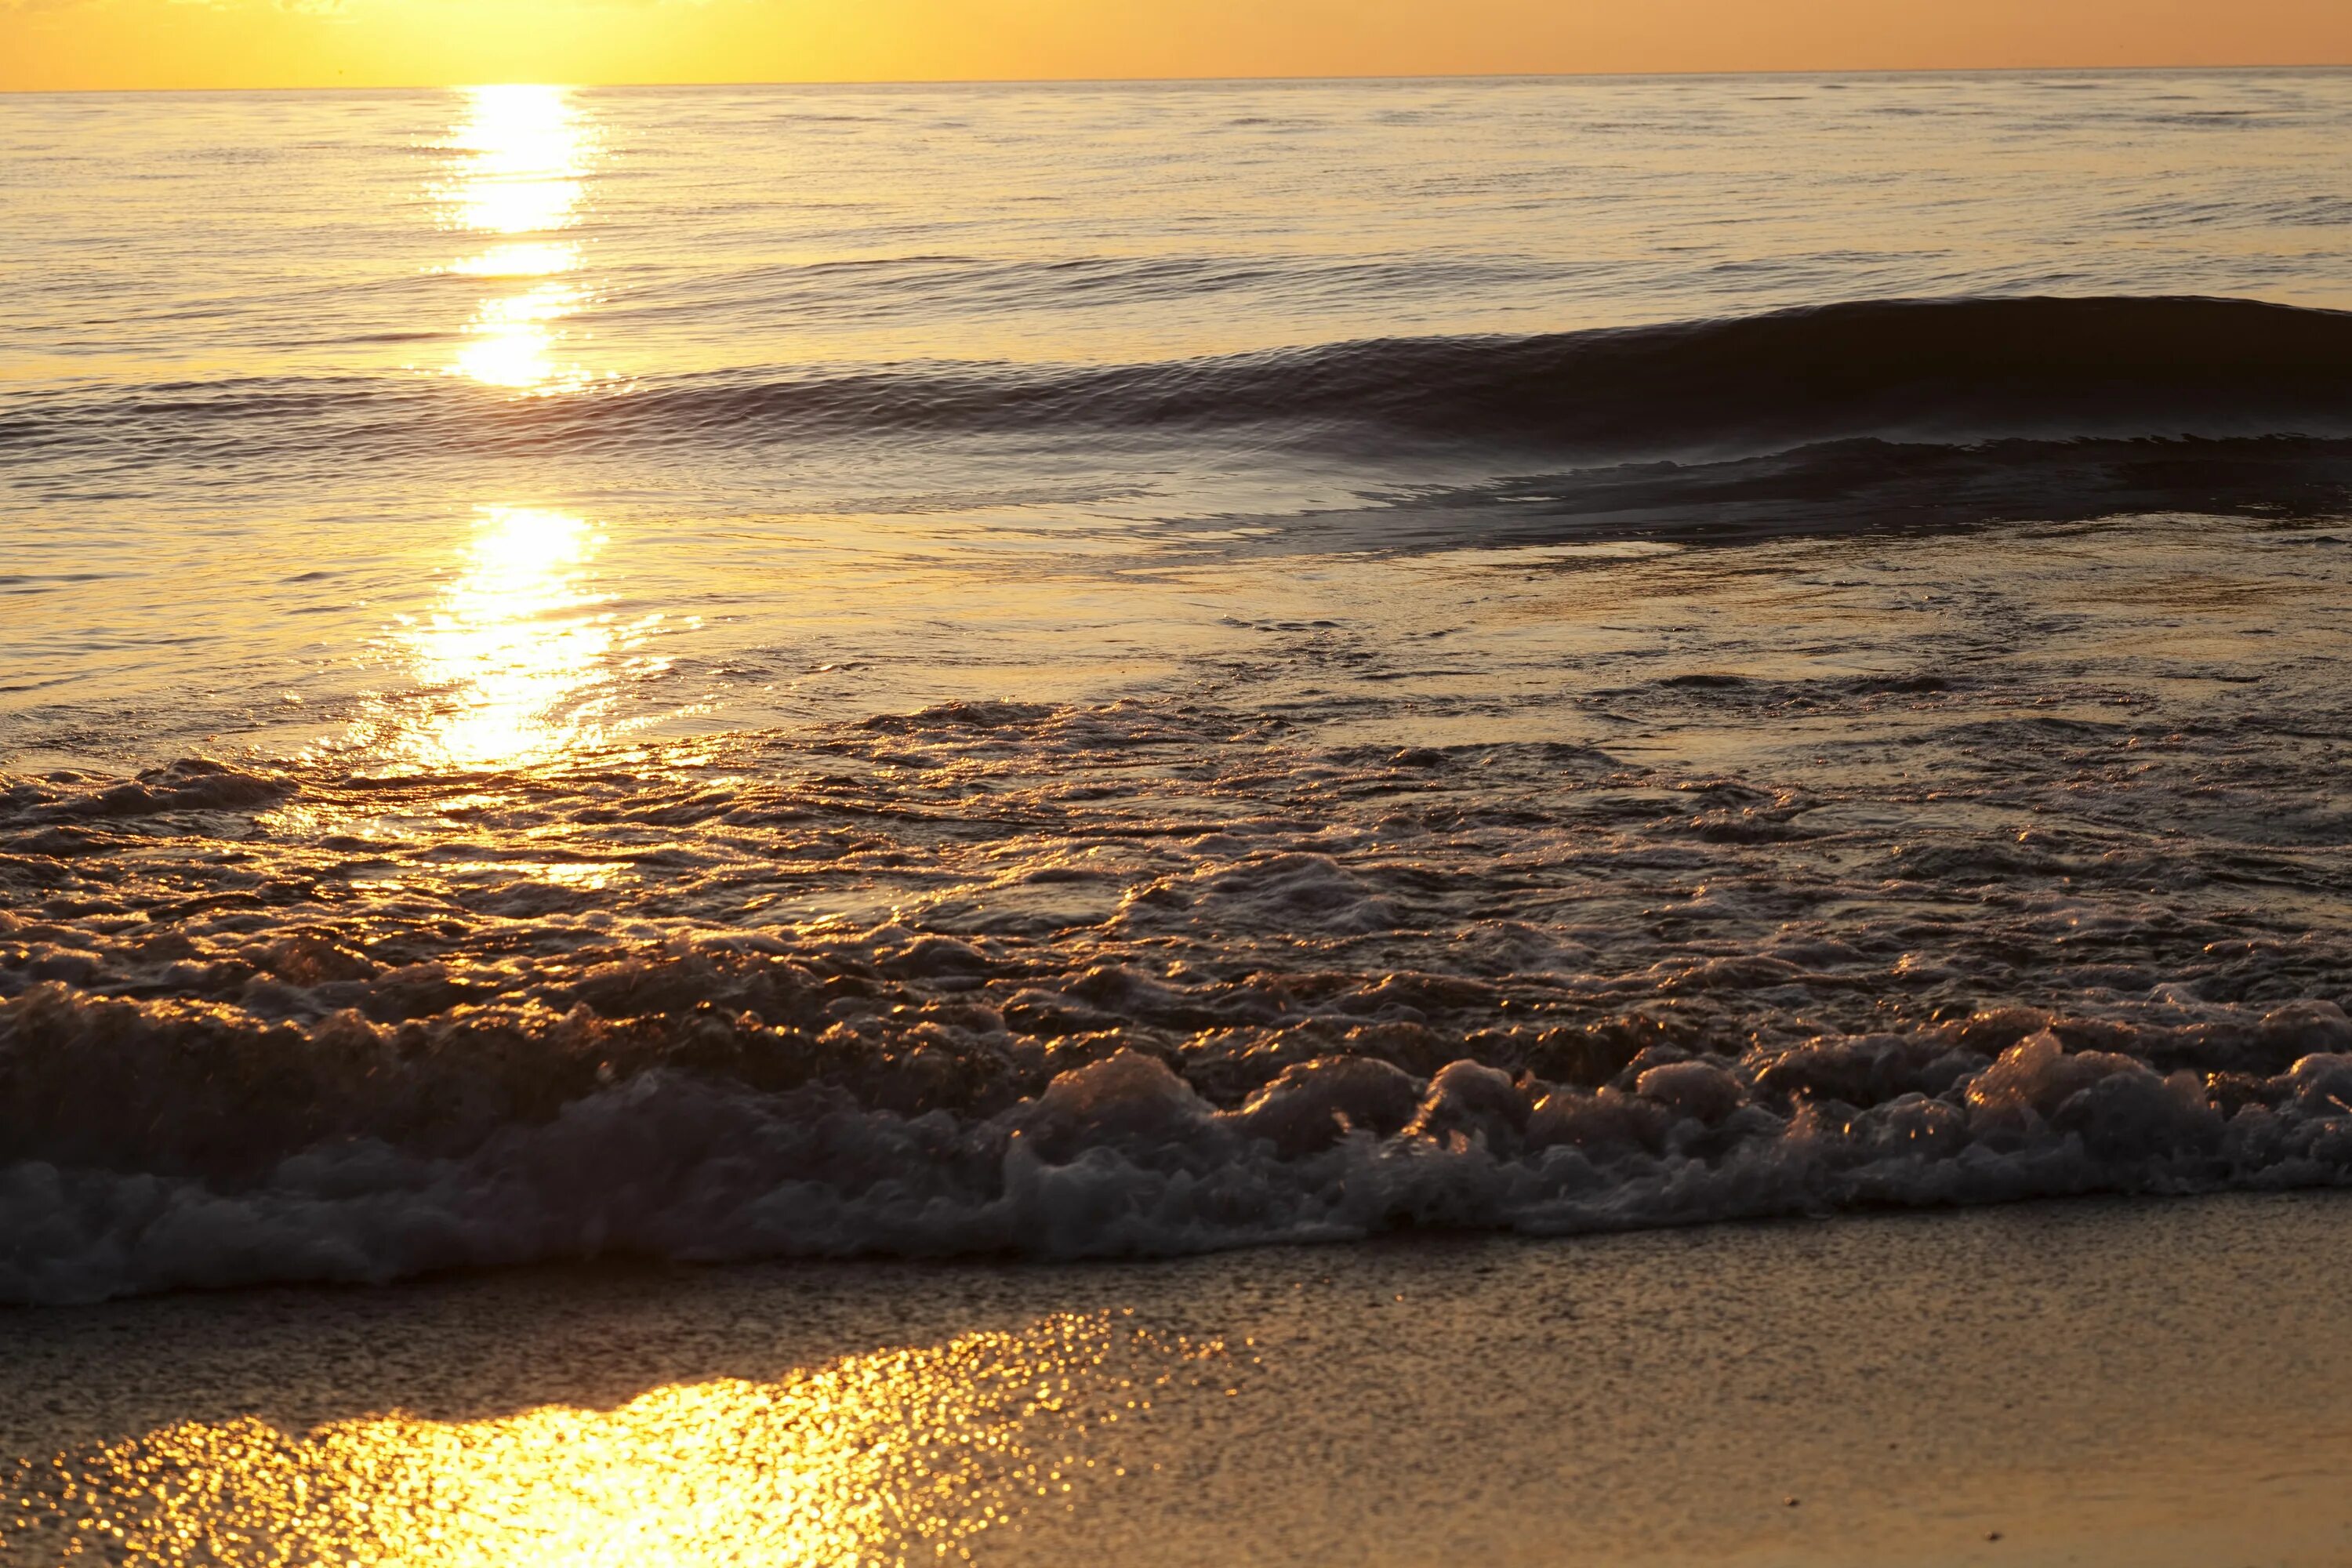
897, 1457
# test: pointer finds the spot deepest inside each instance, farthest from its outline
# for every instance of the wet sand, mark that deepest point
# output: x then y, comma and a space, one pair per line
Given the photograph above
2095, 1381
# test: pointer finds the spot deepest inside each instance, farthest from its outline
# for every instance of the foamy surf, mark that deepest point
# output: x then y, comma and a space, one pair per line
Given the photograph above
1122, 1159
1150, 978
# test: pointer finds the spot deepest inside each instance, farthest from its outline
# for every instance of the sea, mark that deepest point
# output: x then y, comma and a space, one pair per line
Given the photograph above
1068, 671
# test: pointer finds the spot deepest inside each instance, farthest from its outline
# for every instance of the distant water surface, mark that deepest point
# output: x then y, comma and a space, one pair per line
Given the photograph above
1121, 669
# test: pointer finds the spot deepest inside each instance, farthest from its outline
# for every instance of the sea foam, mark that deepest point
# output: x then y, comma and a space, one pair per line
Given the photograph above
1122, 1158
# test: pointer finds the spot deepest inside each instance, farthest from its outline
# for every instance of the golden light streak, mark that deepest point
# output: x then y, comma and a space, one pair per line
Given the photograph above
514, 340
522, 157
515, 646
522, 151
893, 1457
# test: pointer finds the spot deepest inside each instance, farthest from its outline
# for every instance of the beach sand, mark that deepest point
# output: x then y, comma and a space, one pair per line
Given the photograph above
2148, 1382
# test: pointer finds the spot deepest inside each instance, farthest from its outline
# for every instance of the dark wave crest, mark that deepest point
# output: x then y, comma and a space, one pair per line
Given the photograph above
1965, 368
1945, 371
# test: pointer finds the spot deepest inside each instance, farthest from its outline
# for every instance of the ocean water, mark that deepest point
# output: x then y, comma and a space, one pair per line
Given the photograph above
1094, 670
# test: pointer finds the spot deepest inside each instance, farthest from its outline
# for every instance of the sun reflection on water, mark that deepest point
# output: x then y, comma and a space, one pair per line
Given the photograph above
886, 1458
512, 339
523, 155
515, 652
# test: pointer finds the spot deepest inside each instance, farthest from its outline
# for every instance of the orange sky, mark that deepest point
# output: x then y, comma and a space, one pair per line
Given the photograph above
280, 43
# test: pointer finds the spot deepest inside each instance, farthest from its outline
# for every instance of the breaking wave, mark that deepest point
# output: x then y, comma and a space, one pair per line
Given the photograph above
1123, 1157
294, 1025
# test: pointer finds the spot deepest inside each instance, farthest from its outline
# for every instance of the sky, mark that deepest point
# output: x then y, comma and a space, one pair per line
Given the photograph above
64, 44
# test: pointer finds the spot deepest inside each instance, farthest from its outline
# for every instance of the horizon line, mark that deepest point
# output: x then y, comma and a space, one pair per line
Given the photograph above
1215, 80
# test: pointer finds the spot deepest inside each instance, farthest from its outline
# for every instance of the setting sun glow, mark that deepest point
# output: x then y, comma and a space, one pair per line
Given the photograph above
164, 43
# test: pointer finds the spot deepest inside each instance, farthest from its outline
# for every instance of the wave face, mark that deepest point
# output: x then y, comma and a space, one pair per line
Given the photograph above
1948, 370
1854, 417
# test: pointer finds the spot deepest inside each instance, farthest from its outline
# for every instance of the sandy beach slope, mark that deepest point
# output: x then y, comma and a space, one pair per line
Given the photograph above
2092, 1383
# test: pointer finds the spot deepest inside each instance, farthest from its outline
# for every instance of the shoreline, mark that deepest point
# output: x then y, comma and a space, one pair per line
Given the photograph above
2094, 1380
